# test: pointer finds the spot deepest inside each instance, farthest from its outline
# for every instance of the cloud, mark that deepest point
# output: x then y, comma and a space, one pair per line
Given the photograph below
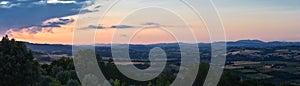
30, 29
4, 2
84, 11
61, 2
45, 2
7, 4
42, 2
28, 13
143, 25
46, 26
122, 26
63, 34
96, 27
38, 34
155, 25
57, 22
98, 6
24, 13
93, 27
109, 27
151, 23
22, 0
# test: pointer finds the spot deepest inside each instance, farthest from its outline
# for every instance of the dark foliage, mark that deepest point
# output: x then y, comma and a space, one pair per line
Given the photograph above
18, 68
17, 64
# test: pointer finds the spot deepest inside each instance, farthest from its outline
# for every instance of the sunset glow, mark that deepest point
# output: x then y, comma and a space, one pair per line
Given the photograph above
277, 21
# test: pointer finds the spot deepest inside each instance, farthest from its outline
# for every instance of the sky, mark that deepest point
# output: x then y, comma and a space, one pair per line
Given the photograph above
56, 21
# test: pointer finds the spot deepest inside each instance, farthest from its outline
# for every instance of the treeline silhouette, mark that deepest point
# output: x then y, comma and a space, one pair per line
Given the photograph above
19, 68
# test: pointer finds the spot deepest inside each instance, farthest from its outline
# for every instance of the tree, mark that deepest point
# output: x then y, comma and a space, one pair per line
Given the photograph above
63, 76
17, 64
201, 76
252, 82
286, 84
229, 79
149, 84
45, 81
110, 60
56, 69
117, 82
65, 62
73, 82
161, 81
62, 70
55, 83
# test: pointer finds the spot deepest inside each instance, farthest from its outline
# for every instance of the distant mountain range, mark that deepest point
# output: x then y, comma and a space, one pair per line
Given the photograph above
67, 49
258, 43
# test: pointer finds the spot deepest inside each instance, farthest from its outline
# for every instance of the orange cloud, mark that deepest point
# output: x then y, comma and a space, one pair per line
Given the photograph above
52, 35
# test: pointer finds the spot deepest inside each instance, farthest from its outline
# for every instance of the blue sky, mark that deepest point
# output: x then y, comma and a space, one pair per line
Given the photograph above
23, 13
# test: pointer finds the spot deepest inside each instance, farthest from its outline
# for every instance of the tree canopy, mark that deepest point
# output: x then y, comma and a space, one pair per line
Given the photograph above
17, 64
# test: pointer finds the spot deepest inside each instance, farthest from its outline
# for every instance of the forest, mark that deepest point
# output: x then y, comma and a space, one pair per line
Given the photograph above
18, 67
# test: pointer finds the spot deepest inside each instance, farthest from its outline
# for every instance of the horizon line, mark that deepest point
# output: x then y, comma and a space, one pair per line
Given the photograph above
165, 42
